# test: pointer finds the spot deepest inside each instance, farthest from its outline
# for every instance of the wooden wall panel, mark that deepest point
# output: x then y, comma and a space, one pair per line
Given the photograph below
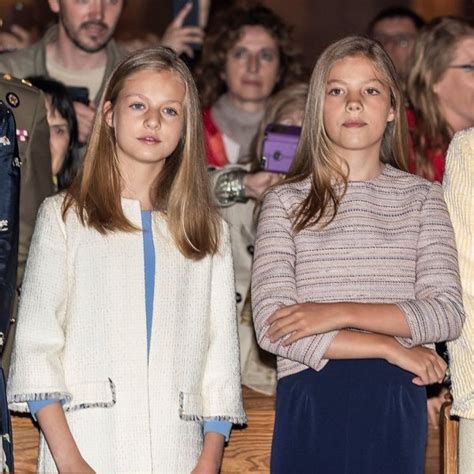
317, 24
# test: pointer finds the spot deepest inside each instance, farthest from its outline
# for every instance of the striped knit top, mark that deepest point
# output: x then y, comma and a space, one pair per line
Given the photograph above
459, 193
390, 242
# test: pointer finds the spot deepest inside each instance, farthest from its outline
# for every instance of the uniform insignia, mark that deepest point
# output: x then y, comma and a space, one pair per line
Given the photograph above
3, 225
22, 134
12, 99
4, 141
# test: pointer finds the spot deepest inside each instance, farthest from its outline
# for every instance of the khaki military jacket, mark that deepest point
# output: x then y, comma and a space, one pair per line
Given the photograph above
28, 106
31, 61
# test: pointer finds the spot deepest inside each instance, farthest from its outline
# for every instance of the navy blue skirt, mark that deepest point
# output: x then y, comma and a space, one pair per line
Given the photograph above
352, 417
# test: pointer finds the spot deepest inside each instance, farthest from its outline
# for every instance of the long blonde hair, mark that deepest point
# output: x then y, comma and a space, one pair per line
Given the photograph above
433, 53
314, 157
181, 190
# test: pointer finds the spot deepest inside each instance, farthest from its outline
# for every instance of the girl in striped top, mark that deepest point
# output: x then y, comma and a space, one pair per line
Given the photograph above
355, 272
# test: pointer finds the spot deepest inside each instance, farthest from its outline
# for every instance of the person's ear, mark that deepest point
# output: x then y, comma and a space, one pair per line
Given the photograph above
108, 112
391, 115
54, 6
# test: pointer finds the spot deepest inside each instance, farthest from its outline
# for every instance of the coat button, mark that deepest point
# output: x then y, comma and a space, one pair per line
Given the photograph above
250, 249
238, 297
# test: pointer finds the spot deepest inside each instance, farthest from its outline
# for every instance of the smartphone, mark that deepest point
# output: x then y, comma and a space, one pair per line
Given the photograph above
78, 94
279, 147
192, 19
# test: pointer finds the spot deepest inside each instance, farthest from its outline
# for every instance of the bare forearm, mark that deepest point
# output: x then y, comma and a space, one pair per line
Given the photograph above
53, 424
359, 345
385, 319
211, 455
424, 363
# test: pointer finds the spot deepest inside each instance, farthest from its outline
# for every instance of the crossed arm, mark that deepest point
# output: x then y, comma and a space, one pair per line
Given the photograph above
309, 333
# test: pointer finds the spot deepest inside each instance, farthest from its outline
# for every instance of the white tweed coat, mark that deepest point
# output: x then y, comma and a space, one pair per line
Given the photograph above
82, 336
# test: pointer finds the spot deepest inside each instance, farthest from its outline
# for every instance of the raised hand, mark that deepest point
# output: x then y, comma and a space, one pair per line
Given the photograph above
257, 183
16, 38
179, 37
85, 119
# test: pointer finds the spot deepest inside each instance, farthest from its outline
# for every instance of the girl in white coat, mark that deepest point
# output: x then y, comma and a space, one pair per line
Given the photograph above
127, 348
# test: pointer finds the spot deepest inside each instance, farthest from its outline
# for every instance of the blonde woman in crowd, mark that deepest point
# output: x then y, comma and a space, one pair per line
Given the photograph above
440, 89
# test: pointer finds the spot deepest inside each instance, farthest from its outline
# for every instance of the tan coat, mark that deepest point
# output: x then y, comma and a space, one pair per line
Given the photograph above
258, 367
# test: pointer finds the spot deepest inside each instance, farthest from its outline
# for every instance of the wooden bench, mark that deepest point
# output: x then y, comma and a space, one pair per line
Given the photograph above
249, 448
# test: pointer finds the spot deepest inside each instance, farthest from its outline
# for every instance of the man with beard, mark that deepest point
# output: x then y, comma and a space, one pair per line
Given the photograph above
78, 51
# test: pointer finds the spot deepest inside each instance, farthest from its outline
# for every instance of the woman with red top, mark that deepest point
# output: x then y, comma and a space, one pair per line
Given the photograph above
247, 57
440, 87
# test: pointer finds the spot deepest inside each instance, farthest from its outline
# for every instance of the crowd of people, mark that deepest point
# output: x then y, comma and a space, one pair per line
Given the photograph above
168, 266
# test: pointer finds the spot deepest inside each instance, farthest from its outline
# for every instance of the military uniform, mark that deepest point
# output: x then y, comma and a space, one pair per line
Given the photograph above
28, 106
9, 206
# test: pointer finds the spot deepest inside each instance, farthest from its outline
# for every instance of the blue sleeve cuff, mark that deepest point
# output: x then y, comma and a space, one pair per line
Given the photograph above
218, 426
36, 405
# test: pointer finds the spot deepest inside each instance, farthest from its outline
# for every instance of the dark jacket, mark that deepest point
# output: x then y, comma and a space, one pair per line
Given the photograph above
28, 107
9, 208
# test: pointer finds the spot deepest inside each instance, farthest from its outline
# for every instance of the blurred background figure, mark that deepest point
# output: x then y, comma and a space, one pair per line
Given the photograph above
259, 367
63, 134
247, 56
440, 88
396, 29
78, 51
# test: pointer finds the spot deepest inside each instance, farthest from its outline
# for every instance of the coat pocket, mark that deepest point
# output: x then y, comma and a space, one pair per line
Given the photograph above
99, 394
190, 406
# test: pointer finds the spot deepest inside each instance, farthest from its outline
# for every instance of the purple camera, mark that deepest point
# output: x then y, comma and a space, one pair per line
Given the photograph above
279, 147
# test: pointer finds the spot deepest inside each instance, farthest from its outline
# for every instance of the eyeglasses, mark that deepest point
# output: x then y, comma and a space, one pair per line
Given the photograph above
465, 67
402, 41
